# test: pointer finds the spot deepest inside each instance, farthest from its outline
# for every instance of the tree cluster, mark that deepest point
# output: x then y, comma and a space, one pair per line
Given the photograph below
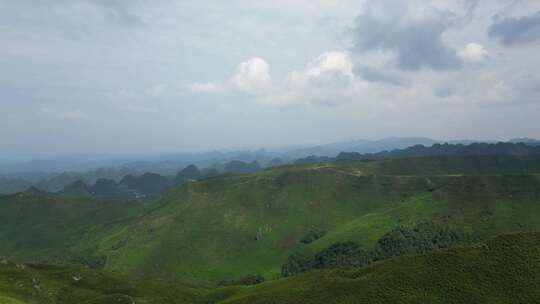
421, 239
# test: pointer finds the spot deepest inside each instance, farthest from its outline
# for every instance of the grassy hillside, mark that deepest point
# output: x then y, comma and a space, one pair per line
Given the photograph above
228, 227
46, 229
40, 284
505, 270
448, 165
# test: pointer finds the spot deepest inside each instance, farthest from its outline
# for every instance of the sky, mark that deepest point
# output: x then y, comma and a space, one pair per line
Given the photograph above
133, 76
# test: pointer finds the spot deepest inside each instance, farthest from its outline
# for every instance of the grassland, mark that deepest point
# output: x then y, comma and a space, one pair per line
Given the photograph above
45, 229
502, 270
227, 227
40, 284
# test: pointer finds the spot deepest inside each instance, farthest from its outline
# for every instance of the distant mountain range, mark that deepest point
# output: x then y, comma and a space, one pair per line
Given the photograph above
362, 146
143, 188
526, 140
438, 149
54, 175
171, 163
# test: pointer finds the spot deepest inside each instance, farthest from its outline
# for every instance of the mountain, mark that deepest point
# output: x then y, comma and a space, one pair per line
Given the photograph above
76, 189
504, 270
439, 150
228, 227
105, 188
239, 167
54, 229
360, 146
71, 163
38, 192
393, 143
150, 184
45, 174
526, 140
13, 184
275, 162
190, 172
47, 284
144, 187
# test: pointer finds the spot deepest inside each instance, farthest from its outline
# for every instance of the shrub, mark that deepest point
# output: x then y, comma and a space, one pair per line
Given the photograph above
247, 280
421, 239
296, 264
340, 255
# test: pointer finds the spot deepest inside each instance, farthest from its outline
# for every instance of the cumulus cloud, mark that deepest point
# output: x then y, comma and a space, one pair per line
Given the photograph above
514, 31
327, 80
251, 76
413, 34
329, 70
474, 53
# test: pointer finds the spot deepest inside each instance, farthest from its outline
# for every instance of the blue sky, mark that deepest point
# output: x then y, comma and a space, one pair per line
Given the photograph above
88, 76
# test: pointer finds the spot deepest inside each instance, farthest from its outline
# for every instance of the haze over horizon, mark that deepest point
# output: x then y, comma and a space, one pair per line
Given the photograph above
118, 76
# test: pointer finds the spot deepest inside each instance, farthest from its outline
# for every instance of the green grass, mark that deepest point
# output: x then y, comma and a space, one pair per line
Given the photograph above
41, 284
6, 300
45, 229
506, 270
502, 270
228, 227
225, 228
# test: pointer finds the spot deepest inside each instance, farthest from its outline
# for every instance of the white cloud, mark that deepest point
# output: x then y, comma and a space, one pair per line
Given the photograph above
326, 80
331, 61
474, 52
252, 75
329, 69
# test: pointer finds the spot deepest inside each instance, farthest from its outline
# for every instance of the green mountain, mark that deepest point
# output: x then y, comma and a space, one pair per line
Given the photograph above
45, 284
140, 188
190, 172
502, 270
225, 228
446, 149
76, 189
228, 227
58, 230
239, 167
